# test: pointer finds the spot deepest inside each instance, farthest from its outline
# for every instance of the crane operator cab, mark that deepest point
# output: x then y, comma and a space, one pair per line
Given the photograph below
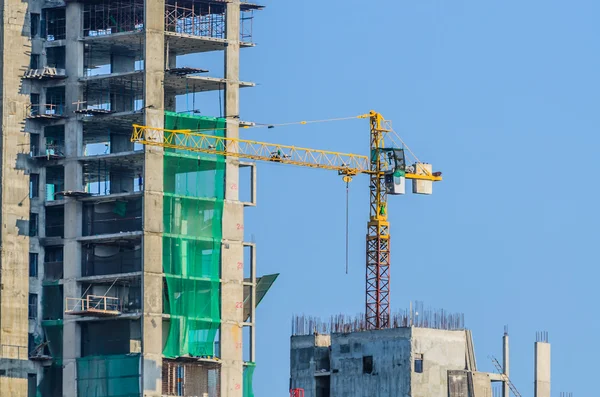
395, 170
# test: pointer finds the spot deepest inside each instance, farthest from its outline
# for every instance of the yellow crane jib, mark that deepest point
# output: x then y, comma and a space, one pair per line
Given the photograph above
347, 164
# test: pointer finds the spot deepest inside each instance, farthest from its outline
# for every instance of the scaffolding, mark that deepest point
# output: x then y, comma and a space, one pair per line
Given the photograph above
195, 19
54, 24
191, 378
122, 93
109, 17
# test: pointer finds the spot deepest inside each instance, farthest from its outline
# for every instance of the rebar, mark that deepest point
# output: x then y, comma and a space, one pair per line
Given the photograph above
418, 316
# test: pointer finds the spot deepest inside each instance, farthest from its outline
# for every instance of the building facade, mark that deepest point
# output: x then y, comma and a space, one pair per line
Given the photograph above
124, 269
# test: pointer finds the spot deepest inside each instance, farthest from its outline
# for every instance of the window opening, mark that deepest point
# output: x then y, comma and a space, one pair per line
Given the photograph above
419, 363
33, 224
33, 302
367, 364
33, 264
34, 185
35, 25
34, 61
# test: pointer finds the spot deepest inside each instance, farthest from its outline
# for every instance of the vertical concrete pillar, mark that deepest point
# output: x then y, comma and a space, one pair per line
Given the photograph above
542, 369
14, 188
73, 181
232, 276
152, 280
505, 363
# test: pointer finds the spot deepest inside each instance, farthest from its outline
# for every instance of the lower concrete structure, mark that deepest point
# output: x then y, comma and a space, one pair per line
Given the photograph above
406, 361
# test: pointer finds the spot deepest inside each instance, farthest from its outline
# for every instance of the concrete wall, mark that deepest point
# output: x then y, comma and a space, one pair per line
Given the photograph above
393, 368
390, 349
482, 384
302, 362
14, 196
442, 351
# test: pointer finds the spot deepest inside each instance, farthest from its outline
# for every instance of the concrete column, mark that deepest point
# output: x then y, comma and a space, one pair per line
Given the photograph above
73, 208
14, 186
233, 224
505, 364
542, 369
152, 279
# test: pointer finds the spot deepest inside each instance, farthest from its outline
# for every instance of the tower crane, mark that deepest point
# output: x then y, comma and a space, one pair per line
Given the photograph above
386, 167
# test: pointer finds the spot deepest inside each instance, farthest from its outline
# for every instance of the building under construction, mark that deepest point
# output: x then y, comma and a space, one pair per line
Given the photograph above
124, 268
423, 353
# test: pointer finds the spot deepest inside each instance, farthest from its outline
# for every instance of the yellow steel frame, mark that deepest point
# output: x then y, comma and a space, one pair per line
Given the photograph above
377, 303
347, 164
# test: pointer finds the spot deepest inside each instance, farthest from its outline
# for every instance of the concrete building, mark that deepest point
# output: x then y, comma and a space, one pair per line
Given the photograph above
124, 269
418, 360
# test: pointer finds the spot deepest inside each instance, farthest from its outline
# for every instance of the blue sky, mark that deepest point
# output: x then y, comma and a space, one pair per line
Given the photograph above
502, 97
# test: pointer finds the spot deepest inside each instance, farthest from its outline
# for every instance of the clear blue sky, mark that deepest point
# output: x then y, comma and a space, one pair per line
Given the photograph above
500, 95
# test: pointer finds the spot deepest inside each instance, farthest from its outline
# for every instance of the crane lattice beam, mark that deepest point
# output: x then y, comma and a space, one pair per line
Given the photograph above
200, 142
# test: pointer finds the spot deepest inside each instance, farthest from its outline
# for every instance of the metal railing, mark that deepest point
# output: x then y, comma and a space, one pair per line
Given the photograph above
45, 110
93, 304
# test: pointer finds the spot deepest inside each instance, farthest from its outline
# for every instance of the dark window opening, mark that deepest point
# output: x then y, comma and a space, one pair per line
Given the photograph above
31, 385
33, 303
419, 363
323, 386
35, 104
55, 220
53, 263
34, 61
33, 224
30, 342
34, 185
105, 337
55, 57
34, 144
33, 264
367, 364
35, 24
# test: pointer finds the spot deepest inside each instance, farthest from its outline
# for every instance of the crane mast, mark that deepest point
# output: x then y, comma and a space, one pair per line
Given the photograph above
377, 304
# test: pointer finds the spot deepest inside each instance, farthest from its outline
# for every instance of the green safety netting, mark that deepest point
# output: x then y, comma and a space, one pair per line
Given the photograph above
108, 376
51, 383
248, 374
192, 214
52, 301
54, 337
